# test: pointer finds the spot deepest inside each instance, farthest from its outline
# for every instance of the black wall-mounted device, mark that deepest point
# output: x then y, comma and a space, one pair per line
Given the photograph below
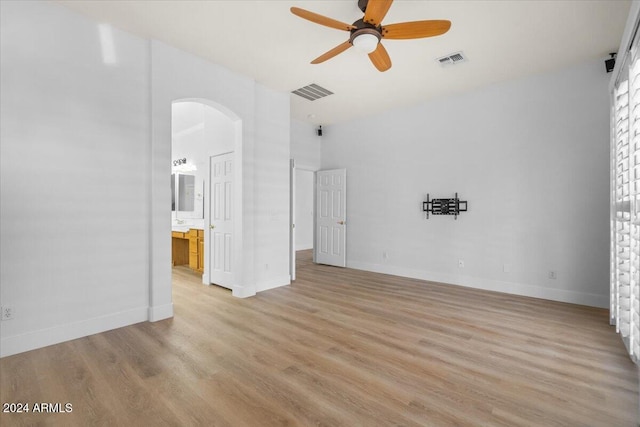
451, 206
609, 64
319, 131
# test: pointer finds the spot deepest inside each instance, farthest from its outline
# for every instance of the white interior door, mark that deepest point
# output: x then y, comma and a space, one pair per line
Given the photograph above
221, 220
331, 215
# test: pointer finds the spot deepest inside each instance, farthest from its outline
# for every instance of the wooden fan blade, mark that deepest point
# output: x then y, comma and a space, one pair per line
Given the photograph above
376, 11
415, 29
333, 52
322, 20
380, 58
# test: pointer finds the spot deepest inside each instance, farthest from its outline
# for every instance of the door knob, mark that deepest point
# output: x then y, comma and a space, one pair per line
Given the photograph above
212, 226
341, 222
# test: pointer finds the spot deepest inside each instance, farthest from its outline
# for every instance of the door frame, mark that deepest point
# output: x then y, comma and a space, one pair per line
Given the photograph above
292, 203
292, 219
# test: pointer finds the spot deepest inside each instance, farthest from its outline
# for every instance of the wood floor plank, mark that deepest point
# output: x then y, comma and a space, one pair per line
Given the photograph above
338, 347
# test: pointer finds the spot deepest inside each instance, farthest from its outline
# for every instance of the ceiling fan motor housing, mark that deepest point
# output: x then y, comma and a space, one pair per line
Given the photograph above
365, 28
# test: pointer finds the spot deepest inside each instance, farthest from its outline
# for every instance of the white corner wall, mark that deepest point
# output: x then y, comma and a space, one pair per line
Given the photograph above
306, 152
530, 157
85, 209
272, 148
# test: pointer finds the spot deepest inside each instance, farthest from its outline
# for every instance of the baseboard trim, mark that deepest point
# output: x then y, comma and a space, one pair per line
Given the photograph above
553, 294
242, 292
273, 283
160, 312
70, 331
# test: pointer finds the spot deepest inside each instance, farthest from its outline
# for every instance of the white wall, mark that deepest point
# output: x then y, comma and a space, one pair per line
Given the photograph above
272, 148
74, 209
85, 175
305, 145
530, 157
306, 151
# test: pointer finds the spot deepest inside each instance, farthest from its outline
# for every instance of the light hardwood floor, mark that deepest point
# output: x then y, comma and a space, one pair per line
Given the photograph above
338, 347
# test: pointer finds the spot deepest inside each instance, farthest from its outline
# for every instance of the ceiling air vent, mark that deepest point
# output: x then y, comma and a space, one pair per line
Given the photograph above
454, 58
312, 92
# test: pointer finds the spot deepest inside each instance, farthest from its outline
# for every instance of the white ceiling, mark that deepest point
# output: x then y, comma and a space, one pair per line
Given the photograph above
502, 40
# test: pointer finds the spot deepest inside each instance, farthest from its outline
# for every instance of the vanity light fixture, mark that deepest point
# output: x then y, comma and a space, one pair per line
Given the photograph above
181, 165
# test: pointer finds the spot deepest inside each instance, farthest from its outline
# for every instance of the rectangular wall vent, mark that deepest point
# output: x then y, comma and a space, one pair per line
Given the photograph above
312, 92
451, 59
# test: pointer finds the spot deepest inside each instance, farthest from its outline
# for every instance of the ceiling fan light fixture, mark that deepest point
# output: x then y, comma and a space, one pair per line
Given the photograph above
367, 32
366, 41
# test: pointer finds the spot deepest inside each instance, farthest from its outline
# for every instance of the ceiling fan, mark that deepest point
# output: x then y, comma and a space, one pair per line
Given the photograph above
366, 33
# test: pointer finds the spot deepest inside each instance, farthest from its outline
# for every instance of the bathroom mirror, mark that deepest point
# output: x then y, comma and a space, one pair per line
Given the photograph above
173, 192
186, 193
187, 196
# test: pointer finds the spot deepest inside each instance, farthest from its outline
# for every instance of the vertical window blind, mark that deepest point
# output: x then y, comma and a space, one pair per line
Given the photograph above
625, 204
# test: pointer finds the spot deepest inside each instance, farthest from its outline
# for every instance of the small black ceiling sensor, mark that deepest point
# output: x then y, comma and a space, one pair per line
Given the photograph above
319, 131
610, 63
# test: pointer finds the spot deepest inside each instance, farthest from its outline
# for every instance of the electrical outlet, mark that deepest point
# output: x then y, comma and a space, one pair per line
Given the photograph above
506, 268
461, 263
7, 312
553, 274
384, 255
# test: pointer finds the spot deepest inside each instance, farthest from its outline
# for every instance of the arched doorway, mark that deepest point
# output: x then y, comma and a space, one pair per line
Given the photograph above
207, 187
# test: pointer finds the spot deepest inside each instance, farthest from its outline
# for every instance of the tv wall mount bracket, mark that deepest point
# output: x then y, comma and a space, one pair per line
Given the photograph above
444, 206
